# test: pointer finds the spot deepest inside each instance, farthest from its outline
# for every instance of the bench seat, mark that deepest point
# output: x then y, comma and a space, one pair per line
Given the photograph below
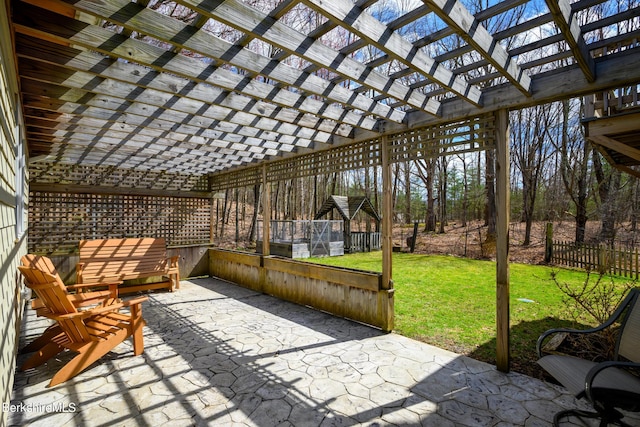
117, 260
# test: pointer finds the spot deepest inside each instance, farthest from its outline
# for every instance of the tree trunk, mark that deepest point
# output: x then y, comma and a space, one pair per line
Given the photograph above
442, 194
256, 207
407, 193
465, 195
490, 207
608, 189
430, 220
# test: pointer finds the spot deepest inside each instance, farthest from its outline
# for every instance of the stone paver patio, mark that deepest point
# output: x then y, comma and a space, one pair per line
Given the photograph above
218, 354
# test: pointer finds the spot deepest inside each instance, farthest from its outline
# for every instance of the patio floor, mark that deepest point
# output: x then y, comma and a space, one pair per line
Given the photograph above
218, 354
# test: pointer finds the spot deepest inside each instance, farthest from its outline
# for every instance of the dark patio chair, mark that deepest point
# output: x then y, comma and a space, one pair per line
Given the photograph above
608, 385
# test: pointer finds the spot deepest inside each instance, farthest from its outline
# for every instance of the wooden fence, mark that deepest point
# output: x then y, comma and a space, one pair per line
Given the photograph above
365, 242
354, 294
600, 258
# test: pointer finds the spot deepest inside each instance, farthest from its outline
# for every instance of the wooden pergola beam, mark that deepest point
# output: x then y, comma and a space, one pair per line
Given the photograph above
613, 71
85, 62
163, 106
105, 190
115, 158
161, 27
148, 146
133, 116
117, 46
397, 47
46, 123
248, 19
568, 25
616, 146
456, 15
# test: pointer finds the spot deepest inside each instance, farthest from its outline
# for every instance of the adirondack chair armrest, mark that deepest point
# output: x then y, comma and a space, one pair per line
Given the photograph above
172, 262
98, 310
134, 301
90, 298
82, 287
600, 367
122, 304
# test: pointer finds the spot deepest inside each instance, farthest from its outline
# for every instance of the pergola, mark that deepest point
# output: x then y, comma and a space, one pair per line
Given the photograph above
186, 98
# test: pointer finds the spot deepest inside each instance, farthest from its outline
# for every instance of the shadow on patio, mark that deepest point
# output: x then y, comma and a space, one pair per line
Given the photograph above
218, 354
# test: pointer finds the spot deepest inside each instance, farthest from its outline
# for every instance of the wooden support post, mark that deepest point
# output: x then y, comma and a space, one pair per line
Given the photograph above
385, 300
502, 240
212, 212
212, 220
266, 213
414, 236
548, 243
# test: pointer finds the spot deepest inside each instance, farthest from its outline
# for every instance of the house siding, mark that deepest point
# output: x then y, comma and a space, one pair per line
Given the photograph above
13, 240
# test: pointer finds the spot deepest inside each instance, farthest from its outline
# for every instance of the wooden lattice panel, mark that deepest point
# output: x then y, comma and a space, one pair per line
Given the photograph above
443, 140
58, 221
355, 156
427, 142
49, 173
237, 179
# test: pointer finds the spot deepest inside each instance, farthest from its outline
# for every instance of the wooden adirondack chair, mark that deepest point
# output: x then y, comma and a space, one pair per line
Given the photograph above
91, 333
79, 298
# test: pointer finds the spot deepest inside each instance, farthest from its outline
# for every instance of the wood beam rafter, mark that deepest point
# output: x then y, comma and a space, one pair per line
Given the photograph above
161, 27
44, 122
568, 25
117, 46
161, 105
397, 47
132, 113
245, 18
616, 146
145, 78
456, 15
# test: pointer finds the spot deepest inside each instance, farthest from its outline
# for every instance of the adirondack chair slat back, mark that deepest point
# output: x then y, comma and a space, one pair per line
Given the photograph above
57, 302
42, 263
48, 289
629, 345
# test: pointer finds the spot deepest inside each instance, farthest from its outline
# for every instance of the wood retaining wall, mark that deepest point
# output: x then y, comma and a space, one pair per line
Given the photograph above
353, 294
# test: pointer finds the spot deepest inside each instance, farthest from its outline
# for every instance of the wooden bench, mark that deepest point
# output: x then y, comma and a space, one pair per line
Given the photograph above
109, 260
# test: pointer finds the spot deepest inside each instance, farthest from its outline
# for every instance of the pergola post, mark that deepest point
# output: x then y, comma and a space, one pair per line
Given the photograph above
266, 213
502, 240
385, 298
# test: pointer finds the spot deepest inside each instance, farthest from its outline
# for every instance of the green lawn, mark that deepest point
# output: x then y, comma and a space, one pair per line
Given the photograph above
450, 302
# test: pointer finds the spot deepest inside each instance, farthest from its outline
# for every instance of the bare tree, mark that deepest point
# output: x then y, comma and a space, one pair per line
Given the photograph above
529, 130
608, 186
426, 170
574, 151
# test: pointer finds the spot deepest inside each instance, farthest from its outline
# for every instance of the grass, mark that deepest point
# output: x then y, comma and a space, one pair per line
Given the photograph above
451, 302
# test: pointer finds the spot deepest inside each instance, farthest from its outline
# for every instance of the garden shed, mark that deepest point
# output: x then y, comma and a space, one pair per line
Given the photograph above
303, 238
348, 208
124, 118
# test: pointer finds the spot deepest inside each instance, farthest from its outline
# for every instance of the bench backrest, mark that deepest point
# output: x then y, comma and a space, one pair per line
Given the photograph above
122, 259
629, 340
